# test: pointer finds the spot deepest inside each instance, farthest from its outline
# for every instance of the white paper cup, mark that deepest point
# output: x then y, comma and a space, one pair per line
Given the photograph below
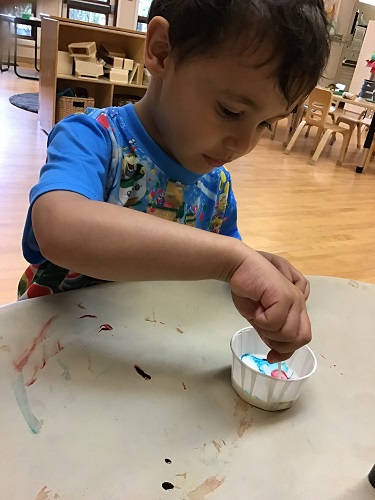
263, 390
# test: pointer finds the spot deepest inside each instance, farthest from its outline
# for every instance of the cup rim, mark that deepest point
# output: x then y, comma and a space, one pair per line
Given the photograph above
304, 377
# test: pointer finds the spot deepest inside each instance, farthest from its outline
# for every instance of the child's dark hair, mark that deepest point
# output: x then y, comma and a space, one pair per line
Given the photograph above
296, 29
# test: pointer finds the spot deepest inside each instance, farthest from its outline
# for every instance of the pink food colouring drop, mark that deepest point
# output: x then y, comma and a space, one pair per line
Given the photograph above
275, 374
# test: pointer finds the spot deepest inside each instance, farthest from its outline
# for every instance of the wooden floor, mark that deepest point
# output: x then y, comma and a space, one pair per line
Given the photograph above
321, 218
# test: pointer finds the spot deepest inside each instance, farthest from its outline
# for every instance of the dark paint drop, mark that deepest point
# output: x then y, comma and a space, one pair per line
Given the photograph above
143, 374
105, 327
88, 316
167, 461
168, 486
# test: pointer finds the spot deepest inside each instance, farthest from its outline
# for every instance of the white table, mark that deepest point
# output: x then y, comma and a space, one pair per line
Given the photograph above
102, 429
361, 103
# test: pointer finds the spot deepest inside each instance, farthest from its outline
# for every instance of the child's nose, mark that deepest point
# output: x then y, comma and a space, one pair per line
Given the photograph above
242, 141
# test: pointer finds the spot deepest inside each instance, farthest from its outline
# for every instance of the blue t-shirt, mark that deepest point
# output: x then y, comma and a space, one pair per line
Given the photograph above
107, 155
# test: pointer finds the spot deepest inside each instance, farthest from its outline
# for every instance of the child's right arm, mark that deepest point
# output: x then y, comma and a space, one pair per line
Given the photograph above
108, 242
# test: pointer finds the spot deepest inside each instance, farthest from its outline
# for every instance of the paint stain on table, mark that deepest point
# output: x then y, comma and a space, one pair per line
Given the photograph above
179, 330
142, 373
167, 486
208, 486
105, 327
88, 316
80, 306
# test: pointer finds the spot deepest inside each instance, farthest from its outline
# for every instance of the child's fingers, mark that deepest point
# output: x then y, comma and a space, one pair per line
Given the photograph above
276, 357
281, 319
284, 348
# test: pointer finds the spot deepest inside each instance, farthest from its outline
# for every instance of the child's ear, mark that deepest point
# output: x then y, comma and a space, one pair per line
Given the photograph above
158, 48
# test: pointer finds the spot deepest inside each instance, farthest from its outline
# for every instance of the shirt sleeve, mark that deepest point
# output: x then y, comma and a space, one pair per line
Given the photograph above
229, 225
78, 158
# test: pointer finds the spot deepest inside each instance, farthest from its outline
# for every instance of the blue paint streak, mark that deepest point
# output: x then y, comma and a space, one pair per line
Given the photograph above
262, 363
24, 405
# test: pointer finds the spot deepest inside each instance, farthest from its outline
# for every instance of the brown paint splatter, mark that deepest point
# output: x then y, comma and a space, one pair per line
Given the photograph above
80, 306
179, 330
181, 475
143, 374
104, 328
243, 426
183, 385
208, 486
153, 320
45, 494
217, 445
5, 348
240, 407
88, 316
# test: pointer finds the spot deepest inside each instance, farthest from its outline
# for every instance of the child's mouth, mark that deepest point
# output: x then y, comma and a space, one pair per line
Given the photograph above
213, 162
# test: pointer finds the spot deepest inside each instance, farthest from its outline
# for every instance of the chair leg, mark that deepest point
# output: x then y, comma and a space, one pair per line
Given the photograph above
333, 138
273, 130
318, 136
320, 147
308, 131
344, 147
359, 135
294, 137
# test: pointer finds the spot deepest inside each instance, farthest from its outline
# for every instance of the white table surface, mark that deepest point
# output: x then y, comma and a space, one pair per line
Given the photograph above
361, 103
102, 431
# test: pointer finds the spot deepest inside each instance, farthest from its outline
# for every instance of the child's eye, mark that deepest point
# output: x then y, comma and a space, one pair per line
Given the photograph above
266, 125
227, 113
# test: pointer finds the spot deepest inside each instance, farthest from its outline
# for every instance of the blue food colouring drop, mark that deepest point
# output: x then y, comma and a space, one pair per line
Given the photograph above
264, 366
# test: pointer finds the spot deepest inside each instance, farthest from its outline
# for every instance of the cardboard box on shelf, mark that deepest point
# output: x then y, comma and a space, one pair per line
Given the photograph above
117, 75
111, 50
64, 63
88, 68
82, 49
128, 64
113, 62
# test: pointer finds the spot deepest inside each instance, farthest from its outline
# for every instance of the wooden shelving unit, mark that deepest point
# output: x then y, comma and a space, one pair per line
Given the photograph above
57, 34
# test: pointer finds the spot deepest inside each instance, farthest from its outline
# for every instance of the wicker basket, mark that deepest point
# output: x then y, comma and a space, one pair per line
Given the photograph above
66, 106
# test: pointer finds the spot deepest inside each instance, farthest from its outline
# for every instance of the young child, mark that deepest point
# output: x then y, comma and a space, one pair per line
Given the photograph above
222, 72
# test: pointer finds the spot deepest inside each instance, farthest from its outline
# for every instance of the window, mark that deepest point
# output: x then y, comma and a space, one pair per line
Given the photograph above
18, 10
143, 7
102, 12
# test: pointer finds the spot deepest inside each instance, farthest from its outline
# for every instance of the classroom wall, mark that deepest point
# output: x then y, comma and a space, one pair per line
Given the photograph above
368, 11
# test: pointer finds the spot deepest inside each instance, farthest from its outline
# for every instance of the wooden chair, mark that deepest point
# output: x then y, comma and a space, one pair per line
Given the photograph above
294, 118
318, 108
354, 121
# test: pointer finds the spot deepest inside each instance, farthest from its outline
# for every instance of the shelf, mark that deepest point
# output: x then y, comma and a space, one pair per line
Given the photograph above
101, 79
56, 35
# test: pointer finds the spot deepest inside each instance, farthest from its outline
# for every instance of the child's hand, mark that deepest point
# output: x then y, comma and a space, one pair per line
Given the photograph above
273, 305
290, 272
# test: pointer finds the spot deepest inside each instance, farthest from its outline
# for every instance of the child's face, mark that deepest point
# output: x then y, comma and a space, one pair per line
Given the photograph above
211, 111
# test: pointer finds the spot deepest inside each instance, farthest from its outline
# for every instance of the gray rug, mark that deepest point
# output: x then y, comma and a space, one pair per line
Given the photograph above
29, 102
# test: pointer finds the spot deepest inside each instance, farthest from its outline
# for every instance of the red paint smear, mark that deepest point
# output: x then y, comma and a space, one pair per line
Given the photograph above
105, 327
57, 348
21, 363
275, 374
30, 382
88, 316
